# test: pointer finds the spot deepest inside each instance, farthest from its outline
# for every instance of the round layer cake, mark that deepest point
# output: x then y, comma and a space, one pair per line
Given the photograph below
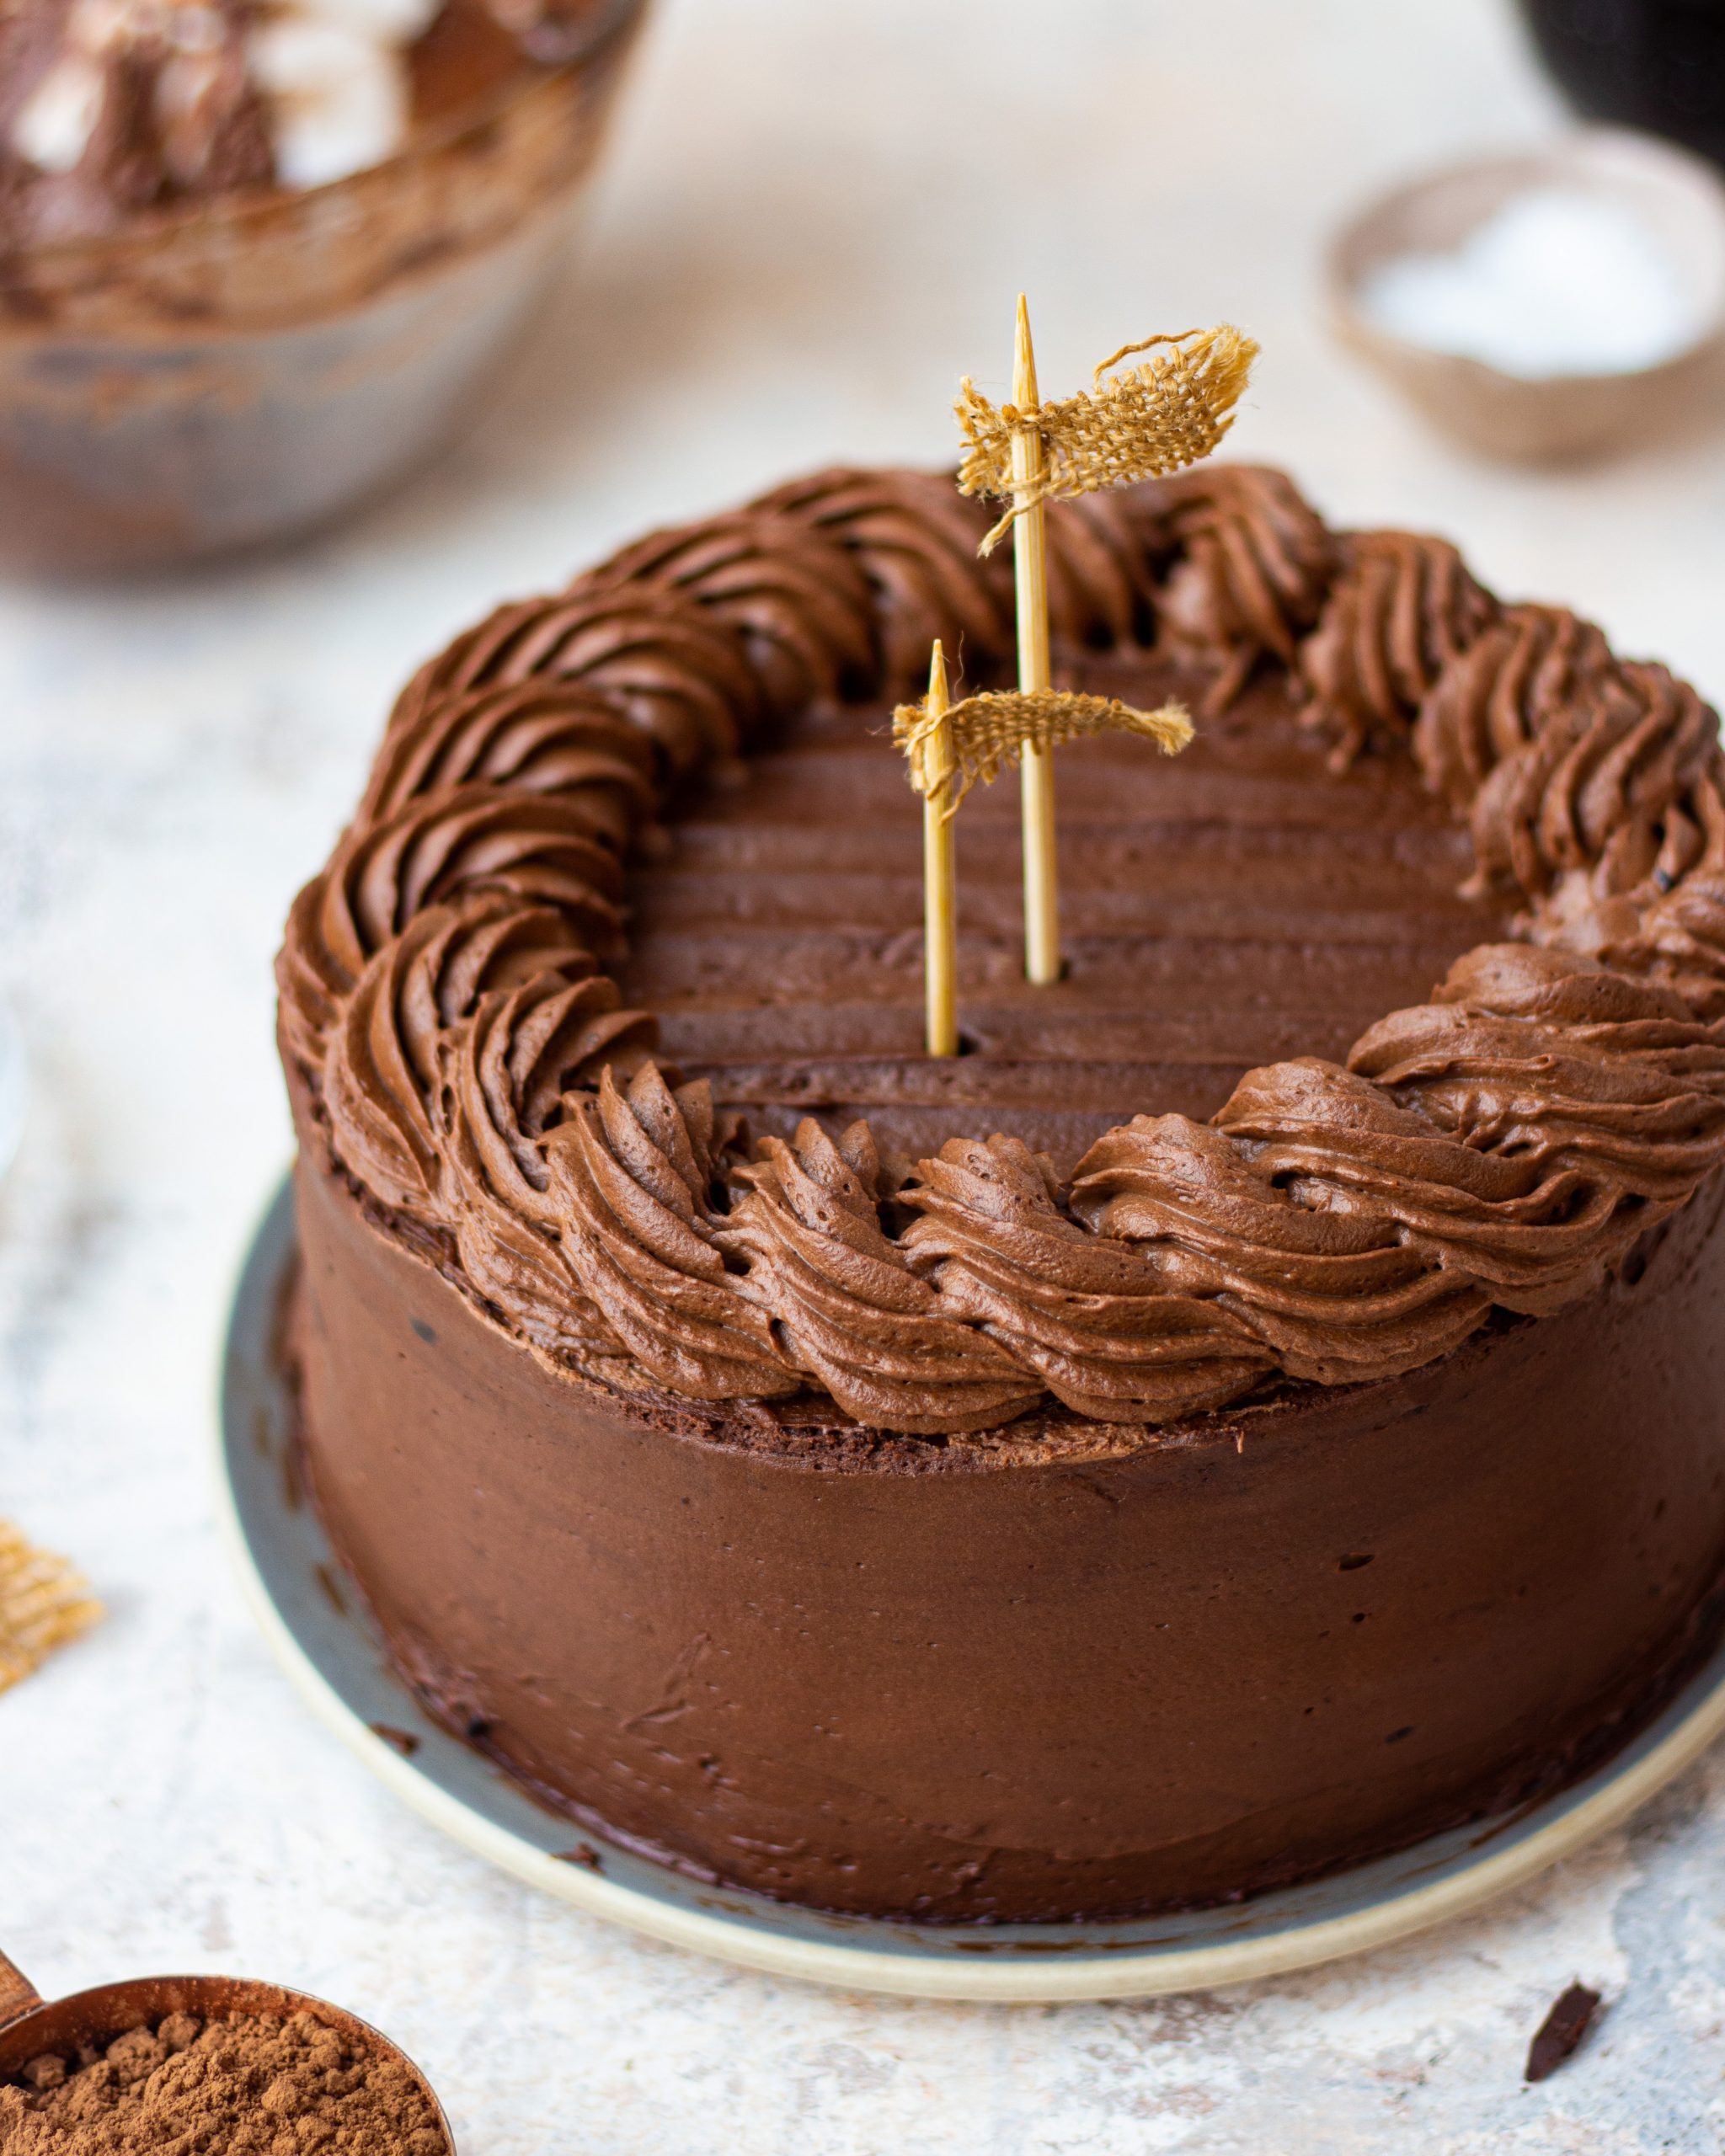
1208, 1432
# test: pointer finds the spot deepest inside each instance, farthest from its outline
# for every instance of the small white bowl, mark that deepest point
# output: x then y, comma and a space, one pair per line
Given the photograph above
1681, 200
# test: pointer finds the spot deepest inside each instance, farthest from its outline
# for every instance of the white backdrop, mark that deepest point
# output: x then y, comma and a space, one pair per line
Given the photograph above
817, 217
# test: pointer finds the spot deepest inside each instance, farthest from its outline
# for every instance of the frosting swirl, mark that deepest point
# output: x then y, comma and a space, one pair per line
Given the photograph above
1500, 1147
629, 1176
847, 1307
1248, 564
1104, 1326
1402, 609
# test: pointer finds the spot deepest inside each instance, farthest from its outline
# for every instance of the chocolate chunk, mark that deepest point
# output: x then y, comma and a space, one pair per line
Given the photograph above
1561, 2032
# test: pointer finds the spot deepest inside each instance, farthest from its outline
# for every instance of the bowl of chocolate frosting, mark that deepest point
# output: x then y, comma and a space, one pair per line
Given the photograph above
256, 255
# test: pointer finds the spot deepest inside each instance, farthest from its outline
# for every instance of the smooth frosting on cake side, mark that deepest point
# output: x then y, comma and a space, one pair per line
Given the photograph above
890, 1483
1071, 1674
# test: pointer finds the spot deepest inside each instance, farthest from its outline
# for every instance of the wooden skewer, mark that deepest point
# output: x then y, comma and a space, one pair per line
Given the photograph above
1042, 896
940, 885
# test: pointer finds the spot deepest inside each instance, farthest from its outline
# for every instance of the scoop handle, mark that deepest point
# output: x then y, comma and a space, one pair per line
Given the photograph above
18, 1996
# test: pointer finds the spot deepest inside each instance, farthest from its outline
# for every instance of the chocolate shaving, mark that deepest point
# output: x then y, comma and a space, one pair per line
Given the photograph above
1559, 2035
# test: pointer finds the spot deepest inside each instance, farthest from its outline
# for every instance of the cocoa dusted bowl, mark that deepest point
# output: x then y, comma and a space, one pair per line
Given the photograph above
220, 377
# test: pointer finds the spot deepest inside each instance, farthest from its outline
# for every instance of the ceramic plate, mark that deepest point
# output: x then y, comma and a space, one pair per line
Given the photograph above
320, 1636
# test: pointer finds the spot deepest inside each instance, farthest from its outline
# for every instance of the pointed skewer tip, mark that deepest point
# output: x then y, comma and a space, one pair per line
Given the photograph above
1023, 360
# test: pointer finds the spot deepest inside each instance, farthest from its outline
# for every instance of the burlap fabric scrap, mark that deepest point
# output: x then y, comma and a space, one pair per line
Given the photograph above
44, 1603
1156, 418
991, 730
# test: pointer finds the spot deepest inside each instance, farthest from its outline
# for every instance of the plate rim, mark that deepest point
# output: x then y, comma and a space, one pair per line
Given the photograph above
1055, 1975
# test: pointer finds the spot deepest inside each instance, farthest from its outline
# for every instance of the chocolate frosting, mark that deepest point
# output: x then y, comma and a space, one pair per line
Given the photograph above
449, 997
1057, 1672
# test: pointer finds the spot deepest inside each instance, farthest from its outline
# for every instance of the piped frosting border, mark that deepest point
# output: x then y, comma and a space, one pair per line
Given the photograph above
446, 999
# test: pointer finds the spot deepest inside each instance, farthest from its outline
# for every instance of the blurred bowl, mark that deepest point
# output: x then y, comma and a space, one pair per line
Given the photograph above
1554, 417
211, 379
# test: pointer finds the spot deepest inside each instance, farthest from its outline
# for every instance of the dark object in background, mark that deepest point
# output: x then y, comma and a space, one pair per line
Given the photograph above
1561, 2032
1658, 64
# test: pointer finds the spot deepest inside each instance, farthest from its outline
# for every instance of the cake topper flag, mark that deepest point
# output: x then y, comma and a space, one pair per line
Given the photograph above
950, 747
1157, 417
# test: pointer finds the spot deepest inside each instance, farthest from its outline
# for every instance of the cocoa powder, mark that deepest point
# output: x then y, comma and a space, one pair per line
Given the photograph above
255, 2085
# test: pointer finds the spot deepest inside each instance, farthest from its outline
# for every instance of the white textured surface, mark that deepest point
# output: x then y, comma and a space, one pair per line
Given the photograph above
814, 226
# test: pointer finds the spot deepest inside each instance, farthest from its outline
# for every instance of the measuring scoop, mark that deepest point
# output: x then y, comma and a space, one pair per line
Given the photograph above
30, 2025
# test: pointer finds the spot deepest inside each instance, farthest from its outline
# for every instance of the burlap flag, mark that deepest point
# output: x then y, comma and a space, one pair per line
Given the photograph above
1155, 418
990, 730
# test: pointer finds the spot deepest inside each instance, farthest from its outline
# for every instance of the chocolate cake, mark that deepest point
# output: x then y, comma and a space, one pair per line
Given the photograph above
1251, 1409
